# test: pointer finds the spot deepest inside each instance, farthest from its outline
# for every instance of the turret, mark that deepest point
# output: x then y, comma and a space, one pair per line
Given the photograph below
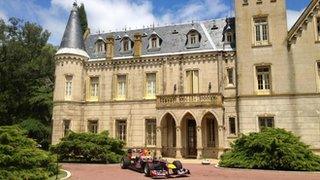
70, 59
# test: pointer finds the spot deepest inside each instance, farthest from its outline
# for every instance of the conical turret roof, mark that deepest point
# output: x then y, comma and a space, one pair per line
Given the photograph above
72, 41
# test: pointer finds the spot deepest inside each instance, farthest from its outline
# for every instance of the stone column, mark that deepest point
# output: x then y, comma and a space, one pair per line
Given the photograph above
221, 130
178, 144
158, 144
199, 142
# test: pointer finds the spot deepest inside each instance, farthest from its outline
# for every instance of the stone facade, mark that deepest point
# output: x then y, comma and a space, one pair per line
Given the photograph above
204, 94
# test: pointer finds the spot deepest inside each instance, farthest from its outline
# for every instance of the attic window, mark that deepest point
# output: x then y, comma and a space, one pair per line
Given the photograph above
100, 46
193, 39
154, 42
126, 44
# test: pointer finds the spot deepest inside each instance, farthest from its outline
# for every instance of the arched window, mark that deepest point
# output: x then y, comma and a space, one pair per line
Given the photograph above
193, 38
126, 44
100, 46
154, 41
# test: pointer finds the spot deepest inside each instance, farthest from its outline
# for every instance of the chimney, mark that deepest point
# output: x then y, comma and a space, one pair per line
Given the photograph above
110, 47
137, 45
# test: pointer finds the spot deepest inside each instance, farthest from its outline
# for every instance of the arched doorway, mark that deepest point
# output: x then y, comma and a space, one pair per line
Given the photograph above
210, 138
168, 136
189, 136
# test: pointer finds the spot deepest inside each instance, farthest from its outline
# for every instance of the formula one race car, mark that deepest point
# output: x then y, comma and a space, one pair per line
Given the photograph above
140, 160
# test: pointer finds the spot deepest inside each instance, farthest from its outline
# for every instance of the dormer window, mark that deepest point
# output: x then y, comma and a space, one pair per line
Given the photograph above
194, 39
126, 44
154, 42
100, 46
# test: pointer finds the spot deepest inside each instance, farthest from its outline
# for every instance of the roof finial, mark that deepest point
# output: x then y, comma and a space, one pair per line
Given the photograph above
75, 5
153, 26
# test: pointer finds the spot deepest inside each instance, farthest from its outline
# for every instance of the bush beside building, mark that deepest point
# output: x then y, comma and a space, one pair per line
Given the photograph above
274, 149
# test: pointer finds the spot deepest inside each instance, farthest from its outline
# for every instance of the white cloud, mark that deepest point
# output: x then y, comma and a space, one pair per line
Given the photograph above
111, 15
293, 16
198, 10
3, 16
106, 15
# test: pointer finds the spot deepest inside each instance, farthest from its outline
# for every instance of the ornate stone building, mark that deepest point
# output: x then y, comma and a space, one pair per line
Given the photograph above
189, 90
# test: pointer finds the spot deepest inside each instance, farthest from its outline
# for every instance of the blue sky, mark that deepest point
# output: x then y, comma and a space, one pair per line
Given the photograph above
113, 15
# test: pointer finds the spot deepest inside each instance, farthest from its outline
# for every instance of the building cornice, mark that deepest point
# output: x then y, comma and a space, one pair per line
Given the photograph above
303, 20
281, 95
160, 60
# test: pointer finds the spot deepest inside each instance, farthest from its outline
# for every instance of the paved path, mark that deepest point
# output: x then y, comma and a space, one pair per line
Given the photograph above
198, 172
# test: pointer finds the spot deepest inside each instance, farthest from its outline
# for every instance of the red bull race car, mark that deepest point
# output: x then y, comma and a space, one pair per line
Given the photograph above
141, 161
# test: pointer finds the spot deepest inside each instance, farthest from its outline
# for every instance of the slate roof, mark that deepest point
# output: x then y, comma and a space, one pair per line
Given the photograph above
72, 37
211, 38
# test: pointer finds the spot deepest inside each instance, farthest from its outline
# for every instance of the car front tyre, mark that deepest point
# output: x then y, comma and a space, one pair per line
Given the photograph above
125, 163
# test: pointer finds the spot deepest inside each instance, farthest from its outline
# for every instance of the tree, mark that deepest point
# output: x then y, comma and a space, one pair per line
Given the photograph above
21, 159
83, 18
26, 73
271, 149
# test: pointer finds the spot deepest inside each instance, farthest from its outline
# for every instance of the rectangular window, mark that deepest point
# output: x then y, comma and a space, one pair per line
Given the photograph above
151, 85
66, 127
154, 42
121, 86
94, 87
126, 45
266, 122
261, 30
229, 37
151, 132
230, 72
232, 125
93, 126
263, 78
193, 39
68, 88
122, 130
192, 83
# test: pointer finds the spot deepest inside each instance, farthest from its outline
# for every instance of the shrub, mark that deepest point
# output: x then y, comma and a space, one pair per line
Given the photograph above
89, 147
20, 158
271, 149
37, 131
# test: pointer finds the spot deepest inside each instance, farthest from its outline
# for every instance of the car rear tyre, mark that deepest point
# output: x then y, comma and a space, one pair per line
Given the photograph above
178, 164
147, 168
125, 163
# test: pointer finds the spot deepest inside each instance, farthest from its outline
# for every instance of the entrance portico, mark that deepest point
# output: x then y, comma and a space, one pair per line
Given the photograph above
190, 136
